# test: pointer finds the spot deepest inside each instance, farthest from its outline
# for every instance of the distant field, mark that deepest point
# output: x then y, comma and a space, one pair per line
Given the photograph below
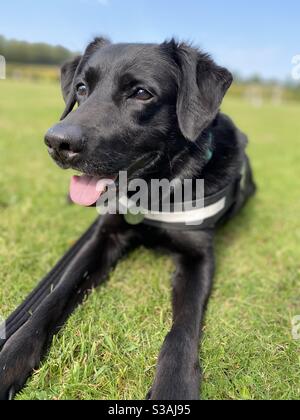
33, 72
109, 347
253, 92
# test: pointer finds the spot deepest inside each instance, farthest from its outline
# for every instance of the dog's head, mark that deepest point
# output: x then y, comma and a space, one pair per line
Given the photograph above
136, 103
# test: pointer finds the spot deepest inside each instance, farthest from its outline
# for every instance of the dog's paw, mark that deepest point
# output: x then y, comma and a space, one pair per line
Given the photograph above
18, 358
175, 390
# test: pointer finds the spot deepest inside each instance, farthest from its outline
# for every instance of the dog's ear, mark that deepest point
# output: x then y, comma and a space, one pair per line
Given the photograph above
67, 74
202, 86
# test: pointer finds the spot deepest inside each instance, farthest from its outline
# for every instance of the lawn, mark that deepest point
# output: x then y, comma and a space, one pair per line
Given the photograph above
108, 348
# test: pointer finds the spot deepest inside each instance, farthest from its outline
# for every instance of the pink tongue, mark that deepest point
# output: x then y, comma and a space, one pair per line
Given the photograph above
86, 190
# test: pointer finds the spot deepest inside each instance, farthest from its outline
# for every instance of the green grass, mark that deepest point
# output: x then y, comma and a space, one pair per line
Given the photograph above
108, 348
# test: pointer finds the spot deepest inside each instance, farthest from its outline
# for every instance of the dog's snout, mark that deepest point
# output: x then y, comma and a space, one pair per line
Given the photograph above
66, 142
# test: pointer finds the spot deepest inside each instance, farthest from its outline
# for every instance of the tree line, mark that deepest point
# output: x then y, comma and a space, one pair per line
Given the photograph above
33, 53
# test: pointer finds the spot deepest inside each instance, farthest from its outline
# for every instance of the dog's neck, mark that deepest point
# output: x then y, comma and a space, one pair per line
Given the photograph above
215, 156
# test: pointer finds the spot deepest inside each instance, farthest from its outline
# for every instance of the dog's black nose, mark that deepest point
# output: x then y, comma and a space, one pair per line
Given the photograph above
65, 141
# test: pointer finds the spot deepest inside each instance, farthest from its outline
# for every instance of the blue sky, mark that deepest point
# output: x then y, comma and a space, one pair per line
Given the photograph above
258, 36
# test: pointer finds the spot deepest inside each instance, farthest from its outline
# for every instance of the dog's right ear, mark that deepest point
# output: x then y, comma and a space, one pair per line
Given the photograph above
67, 74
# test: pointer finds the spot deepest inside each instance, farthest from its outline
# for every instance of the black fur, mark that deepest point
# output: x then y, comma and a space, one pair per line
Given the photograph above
111, 129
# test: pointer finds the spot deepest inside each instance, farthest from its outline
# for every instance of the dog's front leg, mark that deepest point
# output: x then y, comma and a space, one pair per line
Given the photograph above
24, 350
178, 371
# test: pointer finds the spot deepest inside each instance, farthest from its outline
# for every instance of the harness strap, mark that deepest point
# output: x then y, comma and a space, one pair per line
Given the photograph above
205, 216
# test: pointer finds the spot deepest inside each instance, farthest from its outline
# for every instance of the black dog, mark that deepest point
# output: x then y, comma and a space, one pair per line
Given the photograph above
136, 101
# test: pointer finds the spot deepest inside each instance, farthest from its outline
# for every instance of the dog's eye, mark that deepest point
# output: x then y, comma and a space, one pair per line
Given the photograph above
142, 95
81, 90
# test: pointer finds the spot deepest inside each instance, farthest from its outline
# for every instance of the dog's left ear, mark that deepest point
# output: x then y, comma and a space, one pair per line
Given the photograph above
202, 87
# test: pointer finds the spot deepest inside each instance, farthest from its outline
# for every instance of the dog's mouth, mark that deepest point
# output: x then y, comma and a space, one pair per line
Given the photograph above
86, 190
